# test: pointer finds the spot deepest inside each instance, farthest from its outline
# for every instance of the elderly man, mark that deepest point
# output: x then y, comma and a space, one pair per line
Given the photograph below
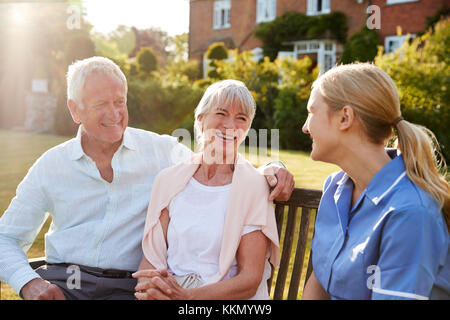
96, 188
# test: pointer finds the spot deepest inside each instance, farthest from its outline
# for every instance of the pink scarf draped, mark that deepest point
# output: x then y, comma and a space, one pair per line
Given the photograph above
248, 205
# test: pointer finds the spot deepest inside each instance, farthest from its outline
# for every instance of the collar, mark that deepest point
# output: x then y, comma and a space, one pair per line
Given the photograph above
77, 152
128, 140
387, 178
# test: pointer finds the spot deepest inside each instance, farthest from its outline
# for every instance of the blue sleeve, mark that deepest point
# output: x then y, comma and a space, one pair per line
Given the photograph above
412, 248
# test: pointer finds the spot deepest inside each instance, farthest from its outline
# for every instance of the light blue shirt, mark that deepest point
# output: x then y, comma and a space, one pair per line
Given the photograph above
393, 243
94, 223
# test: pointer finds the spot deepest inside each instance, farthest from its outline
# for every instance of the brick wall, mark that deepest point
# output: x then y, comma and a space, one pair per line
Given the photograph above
409, 16
200, 27
355, 12
239, 35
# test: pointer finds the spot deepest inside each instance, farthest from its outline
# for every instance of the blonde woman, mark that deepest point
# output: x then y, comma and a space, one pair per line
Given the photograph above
210, 229
381, 230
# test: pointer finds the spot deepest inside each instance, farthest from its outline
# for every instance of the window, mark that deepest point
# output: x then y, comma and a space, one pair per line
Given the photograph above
399, 1
392, 43
322, 52
257, 54
266, 10
221, 14
316, 7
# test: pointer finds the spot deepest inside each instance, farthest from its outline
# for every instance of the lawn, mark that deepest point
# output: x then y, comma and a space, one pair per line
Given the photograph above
20, 151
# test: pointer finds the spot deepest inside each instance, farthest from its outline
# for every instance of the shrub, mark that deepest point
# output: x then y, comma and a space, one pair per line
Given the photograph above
146, 60
362, 46
289, 116
421, 71
290, 104
216, 52
160, 108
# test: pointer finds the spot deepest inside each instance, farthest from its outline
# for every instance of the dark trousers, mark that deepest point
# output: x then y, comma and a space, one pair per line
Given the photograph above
76, 284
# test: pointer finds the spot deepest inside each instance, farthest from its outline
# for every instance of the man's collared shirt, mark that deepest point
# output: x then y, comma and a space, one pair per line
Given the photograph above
94, 222
393, 243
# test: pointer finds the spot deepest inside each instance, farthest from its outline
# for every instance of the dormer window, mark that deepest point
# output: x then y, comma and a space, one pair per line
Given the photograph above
316, 7
221, 14
266, 10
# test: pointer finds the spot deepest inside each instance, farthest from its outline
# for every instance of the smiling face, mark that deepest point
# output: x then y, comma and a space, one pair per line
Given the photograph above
224, 128
103, 113
320, 125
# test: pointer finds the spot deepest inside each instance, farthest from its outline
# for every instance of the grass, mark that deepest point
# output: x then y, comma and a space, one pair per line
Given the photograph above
20, 150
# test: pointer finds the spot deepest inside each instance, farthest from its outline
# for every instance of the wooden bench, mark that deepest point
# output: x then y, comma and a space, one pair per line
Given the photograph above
294, 243
295, 229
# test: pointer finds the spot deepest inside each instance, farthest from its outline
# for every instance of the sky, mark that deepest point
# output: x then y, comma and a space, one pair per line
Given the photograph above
171, 16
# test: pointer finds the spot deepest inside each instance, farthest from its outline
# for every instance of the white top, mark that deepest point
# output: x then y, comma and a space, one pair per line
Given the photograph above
197, 218
94, 223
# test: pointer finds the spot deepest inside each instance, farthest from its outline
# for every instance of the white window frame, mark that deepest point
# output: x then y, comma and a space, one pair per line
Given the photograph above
313, 10
221, 14
399, 1
325, 49
257, 53
266, 10
401, 39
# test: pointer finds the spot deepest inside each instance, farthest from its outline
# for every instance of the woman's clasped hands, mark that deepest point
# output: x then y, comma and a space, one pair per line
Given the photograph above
158, 285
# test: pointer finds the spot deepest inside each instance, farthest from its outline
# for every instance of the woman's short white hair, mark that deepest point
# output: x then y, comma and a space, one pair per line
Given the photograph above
81, 69
219, 94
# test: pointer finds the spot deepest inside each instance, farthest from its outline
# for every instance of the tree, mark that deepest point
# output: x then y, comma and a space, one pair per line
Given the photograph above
118, 44
146, 60
179, 47
216, 52
421, 71
155, 38
40, 45
362, 46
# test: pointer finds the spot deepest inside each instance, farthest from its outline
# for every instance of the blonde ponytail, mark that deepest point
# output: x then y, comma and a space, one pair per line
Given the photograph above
424, 163
373, 96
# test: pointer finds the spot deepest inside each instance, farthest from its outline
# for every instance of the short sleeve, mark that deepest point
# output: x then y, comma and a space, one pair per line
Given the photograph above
412, 249
326, 184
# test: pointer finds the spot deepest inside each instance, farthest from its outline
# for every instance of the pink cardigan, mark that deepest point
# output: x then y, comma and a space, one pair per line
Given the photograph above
248, 205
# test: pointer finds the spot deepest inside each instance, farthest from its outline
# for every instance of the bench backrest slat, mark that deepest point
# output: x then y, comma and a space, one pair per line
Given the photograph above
295, 233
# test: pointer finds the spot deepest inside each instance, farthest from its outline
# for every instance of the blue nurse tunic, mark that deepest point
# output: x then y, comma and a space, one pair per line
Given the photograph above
393, 243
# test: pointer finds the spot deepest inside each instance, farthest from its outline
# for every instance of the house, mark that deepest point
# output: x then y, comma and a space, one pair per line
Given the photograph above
233, 21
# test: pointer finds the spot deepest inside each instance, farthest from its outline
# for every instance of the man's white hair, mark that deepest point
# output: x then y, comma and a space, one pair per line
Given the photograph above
81, 69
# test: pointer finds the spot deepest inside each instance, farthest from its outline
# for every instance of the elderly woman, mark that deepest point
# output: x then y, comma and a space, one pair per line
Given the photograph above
381, 230
211, 229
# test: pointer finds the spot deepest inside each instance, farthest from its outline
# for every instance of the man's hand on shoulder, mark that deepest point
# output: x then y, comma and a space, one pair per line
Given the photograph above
281, 180
40, 289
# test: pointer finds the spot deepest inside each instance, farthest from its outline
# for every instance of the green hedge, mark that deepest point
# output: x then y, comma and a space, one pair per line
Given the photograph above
155, 107
421, 71
361, 46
